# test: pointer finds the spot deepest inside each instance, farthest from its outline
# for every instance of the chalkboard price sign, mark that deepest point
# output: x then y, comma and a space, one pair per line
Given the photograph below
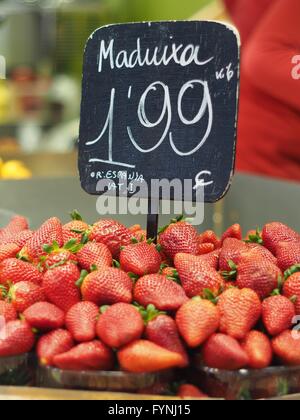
160, 102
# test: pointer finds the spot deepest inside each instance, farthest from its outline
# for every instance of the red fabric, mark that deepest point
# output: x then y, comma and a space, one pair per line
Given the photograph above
247, 13
269, 118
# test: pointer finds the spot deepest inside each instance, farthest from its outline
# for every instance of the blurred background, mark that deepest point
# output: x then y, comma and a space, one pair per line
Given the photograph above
43, 41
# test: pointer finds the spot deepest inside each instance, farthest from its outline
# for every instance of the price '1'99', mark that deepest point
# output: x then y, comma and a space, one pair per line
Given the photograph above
205, 108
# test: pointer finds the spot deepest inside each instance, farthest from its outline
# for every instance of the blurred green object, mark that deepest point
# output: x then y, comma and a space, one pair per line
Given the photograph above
140, 10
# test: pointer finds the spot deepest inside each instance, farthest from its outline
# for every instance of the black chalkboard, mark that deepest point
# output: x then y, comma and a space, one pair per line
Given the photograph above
159, 101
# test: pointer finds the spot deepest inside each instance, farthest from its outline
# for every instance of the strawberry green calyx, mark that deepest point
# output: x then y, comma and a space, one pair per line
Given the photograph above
81, 279
148, 314
133, 277
116, 264
70, 246
178, 219
3, 291
256, 239
75, 215
294, 299
209, 295
103, 309
22, 257
134, 241
292, 270
175, 277
93, 268
158, 248
162, 267
232, 274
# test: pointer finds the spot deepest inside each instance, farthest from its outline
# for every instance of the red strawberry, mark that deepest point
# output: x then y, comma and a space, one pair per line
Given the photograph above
232, 250
56, 256
81, 321
197, 275
74, 230
171, 273
158, 290
211, 259
209, 237
288, 254
262, 252
16, 338
254, 236
19, 239
224, 352
259, 349
258, 274
135, 228
179, 237
60, 286
197, 320
49, 232
44, 316
143, 356
107, 287
94, 254
140, 259
286, 347
190, 391
112, 234
140, 235
54, 343
23, 237
8, 251
24, 294
119, 325
240, 311
15, 226
278, 313
8, 312
86, 356
235, 231
13, 271
205, 249
163, 331
274, 233
291, 289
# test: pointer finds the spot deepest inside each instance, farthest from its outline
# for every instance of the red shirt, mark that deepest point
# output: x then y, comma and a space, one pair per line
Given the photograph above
269, 117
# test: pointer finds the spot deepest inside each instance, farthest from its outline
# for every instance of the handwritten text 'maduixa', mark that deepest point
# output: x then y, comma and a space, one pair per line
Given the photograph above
156, 56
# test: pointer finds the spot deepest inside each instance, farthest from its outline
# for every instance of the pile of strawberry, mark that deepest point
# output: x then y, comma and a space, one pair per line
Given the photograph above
101, 297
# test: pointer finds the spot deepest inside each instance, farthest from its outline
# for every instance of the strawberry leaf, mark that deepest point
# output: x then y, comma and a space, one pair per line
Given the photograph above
48, 249
158, 247
292, 270
69, 245
256, 239
104, 308
209, 295
75, 215
81, 279
116, 264
133, 276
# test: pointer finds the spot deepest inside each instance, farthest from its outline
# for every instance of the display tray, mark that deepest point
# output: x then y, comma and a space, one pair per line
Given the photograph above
48, 377
273, 382
17, 371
